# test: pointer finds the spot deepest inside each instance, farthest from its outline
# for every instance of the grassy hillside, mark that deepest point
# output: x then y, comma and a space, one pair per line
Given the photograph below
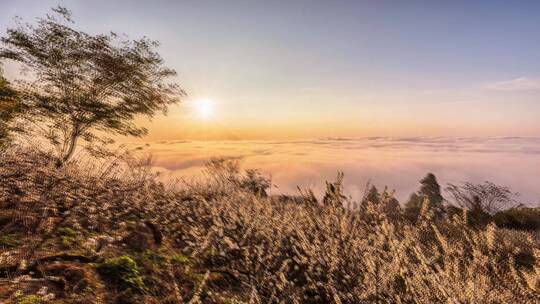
109, 232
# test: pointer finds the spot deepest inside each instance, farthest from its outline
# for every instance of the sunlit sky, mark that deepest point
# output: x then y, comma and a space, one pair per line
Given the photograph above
311, 69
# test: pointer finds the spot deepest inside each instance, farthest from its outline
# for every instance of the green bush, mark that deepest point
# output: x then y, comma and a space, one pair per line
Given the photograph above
123, 271
180, 259
68, 237
67, 242
155, 258
9, 241
66, 231
519, 218
30, 299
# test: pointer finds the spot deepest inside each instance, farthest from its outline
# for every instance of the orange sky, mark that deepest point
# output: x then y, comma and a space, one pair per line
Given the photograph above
360, 68
228, 121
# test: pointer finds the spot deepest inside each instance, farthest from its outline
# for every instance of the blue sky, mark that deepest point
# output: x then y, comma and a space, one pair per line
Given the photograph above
342, 68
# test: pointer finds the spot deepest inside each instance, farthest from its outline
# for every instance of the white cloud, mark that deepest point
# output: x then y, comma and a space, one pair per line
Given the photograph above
518, 84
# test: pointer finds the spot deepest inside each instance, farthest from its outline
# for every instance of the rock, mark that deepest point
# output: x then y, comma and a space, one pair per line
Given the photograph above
74, 278
140, 238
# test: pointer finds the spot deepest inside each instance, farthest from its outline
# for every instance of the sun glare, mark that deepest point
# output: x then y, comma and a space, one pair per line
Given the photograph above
204, 108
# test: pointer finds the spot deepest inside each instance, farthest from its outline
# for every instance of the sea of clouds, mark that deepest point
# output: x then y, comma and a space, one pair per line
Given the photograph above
383, 161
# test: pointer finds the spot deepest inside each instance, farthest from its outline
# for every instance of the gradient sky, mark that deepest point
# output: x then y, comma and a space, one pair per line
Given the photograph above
309, 69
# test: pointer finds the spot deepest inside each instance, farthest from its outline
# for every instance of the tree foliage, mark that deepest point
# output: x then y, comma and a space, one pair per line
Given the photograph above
226, 172
487, 197
430, 192
86, 84
9, 106
391, 205
372, 196
430, 188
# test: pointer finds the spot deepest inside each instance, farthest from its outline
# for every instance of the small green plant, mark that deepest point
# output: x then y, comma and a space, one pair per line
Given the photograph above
123, 271
30, 299
154, 257
66, 231
9, 241
180, 259
67, 237
67, 242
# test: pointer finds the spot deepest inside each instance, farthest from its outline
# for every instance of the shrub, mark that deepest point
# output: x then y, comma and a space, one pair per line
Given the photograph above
180, 259
154, 258
122, 271
475, 218
9, 241
30, 299
519, 218
66, 231
68, 237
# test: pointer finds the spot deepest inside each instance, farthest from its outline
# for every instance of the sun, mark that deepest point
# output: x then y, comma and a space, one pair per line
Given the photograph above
204, 107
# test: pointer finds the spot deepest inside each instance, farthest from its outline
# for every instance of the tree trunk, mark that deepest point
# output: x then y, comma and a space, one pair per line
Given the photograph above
71, 147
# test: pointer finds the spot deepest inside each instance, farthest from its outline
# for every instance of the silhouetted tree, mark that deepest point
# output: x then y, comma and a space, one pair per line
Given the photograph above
487, 197
430, 191
390, 205
430, 188
413, 206
226, 171
9, 106
372, 196
255, 182
87, 85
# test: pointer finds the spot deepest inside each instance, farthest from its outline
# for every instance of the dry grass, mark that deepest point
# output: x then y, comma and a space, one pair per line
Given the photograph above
237, 245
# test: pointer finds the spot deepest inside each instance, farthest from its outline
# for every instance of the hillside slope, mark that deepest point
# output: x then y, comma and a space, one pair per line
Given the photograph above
110, 233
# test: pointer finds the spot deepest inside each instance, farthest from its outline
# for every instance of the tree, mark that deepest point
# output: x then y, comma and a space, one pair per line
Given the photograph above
255, 182
371, 196
85, 84
487, 197
430, 190
390, 205
413, 206
9, 106
225, 171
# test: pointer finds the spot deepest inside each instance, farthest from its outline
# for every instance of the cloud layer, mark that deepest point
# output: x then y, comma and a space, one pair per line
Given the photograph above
394, 162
